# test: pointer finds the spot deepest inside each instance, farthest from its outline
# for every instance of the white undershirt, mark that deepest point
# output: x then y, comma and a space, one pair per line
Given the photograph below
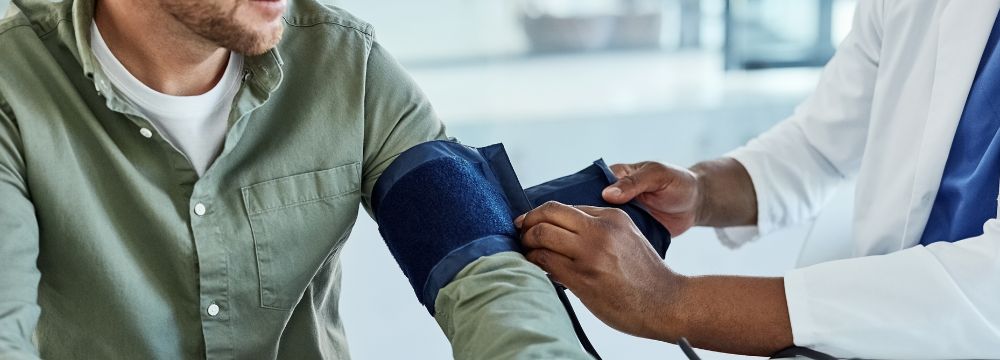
195, 125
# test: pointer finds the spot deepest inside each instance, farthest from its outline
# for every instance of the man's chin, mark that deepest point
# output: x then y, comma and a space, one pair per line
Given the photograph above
260, 43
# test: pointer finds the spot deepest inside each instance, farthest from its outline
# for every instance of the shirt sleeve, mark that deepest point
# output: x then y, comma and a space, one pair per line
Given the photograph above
797, 165
19, 275
933, 302
498, 307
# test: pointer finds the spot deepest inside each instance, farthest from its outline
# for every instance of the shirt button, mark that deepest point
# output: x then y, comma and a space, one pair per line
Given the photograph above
213, 309
199, 209
146, 133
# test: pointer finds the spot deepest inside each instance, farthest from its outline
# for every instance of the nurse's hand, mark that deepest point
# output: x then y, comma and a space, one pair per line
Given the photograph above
601, 256
671, 194
712, 193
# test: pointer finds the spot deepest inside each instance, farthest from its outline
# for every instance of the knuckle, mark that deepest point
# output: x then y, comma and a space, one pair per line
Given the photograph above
539, 232
630, 179
658, 167
621, 169
617, 214
549, 207
539, 257
589, 272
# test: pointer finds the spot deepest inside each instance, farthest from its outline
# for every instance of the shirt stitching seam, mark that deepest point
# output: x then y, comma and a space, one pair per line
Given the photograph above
366, 31
43, 35
344, 167
305, 201
12, 27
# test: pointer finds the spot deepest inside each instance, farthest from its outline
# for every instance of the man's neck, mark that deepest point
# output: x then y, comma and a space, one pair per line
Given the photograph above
158, 50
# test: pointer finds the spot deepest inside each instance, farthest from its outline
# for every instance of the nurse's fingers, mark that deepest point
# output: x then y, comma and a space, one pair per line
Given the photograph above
552, 238
596, 211
637, 179
557, 265
555, 213
620, 170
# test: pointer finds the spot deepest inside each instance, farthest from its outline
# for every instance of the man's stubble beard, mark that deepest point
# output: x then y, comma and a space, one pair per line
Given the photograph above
219, 26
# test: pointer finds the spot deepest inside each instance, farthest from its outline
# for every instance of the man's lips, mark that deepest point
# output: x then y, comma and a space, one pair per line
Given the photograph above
271, 8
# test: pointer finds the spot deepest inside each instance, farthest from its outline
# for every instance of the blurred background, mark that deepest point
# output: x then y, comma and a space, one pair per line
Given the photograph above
564, 82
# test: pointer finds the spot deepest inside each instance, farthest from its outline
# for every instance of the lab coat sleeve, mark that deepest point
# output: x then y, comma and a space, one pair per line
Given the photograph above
498, 307
19, 276
934, 302
797, 165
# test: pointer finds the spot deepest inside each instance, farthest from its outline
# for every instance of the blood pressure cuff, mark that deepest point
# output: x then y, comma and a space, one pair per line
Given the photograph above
585, 187
441, 205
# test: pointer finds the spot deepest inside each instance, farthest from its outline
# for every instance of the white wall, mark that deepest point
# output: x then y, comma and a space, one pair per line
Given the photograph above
468, 29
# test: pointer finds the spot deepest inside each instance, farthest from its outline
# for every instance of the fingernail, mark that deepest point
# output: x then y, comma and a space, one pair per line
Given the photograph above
518, 221
612, 191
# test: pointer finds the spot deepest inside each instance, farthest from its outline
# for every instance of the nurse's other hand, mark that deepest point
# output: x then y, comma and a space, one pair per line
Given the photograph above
672, 195
601, 256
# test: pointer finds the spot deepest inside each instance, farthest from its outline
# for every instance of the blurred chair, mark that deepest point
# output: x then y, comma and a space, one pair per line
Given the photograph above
553, 26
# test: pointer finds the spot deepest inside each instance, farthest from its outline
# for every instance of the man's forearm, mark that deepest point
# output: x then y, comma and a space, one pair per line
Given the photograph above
743, 315
726, 194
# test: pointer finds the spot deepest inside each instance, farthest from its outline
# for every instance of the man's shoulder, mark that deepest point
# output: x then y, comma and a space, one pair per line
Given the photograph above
36, 17
10, 23
20, 41
310, 13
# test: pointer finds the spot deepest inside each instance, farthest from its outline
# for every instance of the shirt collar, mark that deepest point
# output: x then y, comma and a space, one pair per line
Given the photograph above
263, 73
83, 15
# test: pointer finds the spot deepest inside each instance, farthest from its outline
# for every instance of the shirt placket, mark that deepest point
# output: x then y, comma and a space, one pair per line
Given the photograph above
206, 208
204, 205
203, 202
206, 211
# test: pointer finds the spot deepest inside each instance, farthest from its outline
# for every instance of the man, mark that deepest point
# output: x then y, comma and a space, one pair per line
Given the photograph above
178, 177
907, 107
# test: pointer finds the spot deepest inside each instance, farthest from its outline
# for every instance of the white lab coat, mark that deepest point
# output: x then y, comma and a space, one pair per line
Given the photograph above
885, 112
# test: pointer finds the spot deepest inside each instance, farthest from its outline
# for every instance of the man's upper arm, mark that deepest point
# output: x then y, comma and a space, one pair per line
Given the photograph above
19, 276
498, 307
796, 166
397, 116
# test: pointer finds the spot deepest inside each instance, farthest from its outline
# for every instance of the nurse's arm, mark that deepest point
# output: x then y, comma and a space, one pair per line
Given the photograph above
601, 256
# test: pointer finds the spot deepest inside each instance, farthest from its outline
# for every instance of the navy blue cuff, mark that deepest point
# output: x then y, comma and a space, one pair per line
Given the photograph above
445, 271
441, 205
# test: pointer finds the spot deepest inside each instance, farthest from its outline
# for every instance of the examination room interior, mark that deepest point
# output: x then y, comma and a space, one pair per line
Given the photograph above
563, 82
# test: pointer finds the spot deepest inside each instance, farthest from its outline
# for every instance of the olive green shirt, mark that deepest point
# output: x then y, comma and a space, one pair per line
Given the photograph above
111, 246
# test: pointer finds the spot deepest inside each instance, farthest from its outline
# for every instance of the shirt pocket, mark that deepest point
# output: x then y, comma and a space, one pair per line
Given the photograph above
297, 223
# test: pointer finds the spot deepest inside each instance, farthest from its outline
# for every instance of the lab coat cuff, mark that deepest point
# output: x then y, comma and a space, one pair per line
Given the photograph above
734, 237
799, 309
